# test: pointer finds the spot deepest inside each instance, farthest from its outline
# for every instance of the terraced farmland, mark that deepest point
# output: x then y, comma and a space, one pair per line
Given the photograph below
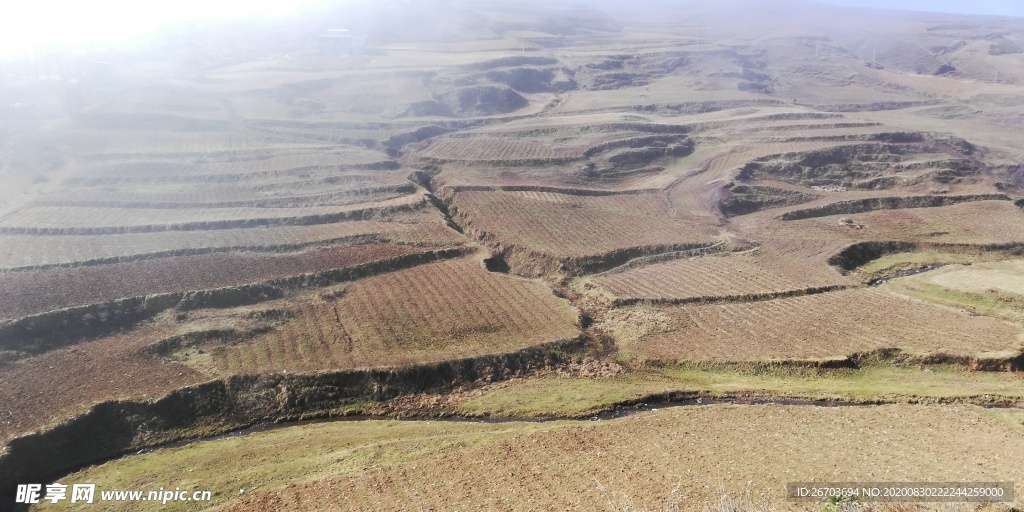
27, 293
963, 223
820, 327
421, 227
994, 288
567, 225
296, 163
736, 158
51, 387
535, 210
499, 150
312, 193
715, 277
445, 310
84, 220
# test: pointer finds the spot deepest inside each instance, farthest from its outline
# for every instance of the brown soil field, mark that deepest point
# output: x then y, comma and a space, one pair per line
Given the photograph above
569, 137
317, 192
27, 293
756, 272
141, 219
565, 225
682, 457
50, 387
403, 317
974, 222
111, 143
288, 170
98, 143
420, 227
498, 150
812, 327
298, 129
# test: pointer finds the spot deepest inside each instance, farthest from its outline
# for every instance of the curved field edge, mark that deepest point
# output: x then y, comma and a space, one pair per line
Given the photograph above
294, 201
296, 220
531, 263
868, 379
114, 428
344, 241
859, 254
565, 253
887, 203
448, 192
45, 331
723, 299
39, 292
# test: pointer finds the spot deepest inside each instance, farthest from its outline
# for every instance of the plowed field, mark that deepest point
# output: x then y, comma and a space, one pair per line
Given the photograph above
427, 313
571, 225
823, 326
27, 293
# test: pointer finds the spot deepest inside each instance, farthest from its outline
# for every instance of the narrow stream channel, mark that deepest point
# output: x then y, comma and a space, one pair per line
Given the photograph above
904, 273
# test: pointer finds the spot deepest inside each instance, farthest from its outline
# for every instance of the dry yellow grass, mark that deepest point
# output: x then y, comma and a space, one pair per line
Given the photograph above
985, 288
1006, 276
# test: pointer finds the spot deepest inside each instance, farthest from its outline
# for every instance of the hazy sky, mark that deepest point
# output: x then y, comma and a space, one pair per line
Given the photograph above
998, 7
29, 24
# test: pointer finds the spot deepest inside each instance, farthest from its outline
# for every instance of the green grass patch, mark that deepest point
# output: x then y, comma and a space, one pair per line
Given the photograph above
993, 304
564, 396
580, 397
1013, 418
232, 467
910, 260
